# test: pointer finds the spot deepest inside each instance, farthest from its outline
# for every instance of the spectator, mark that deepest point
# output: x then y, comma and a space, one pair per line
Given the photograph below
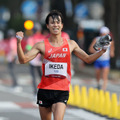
102, 64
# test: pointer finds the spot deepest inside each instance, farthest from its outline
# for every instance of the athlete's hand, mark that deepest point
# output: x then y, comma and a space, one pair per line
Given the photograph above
105, 47
19, 36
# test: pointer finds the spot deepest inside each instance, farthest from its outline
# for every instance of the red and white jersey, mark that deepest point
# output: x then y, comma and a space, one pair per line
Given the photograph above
56, 67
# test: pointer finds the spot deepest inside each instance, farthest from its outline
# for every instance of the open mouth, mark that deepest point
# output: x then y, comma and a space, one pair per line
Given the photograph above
55, 29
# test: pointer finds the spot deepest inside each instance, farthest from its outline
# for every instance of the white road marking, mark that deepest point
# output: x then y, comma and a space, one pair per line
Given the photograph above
8, 105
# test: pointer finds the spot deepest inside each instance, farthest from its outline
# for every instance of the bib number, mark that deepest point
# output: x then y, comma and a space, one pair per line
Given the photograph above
54, 69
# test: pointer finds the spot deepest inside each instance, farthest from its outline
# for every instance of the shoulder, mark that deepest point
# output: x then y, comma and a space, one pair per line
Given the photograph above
72, 42
39, 44
73, 45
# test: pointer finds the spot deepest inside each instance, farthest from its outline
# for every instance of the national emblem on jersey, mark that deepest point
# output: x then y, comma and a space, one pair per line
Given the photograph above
65, 49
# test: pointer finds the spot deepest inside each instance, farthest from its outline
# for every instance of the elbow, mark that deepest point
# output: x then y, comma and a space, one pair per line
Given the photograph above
88, 61
92, 51
22, 61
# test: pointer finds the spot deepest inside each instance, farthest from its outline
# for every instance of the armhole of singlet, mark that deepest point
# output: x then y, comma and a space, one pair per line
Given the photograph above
66, 42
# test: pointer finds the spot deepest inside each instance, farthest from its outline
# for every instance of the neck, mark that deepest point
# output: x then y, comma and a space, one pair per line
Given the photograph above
55, 38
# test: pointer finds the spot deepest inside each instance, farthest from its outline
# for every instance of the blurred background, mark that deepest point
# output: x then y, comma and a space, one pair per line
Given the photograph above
82, 21
82, 18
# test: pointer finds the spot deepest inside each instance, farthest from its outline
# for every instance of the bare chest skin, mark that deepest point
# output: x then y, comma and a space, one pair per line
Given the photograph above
56, 44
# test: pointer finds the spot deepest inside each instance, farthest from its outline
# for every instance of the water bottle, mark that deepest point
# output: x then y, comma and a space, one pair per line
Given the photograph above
102, 41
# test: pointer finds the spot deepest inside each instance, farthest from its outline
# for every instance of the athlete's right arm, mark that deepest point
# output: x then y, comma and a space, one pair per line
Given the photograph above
24, 58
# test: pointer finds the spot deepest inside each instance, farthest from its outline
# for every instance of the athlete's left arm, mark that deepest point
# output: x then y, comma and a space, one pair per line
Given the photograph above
82, 54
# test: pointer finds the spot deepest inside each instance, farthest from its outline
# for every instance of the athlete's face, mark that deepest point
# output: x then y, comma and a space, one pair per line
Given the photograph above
55, 25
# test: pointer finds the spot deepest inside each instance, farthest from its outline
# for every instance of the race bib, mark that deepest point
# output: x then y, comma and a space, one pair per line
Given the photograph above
55, 69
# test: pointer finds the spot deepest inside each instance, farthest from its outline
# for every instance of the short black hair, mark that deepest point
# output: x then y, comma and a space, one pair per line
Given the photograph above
54, 14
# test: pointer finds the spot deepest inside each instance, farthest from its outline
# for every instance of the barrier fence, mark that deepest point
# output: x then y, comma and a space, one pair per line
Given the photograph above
96, 101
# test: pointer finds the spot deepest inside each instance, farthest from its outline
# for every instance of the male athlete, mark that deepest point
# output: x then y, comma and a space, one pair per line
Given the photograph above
53, 90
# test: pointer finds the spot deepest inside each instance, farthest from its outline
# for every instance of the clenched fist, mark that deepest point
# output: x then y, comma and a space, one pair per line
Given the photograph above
19, 36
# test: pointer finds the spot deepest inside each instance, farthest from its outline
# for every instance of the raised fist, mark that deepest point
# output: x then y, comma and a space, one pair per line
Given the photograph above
19, 35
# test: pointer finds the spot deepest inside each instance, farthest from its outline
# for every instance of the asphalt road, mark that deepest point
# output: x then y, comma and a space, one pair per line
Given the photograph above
21, 104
